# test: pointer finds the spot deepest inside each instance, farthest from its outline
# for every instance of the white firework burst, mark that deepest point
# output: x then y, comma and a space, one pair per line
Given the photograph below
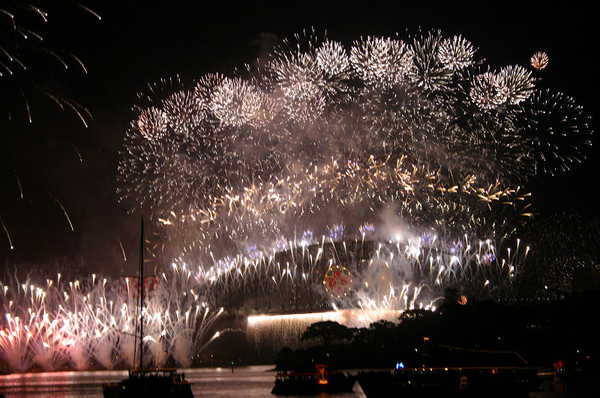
333, 58
299, 86
488, 91
381, 62
183, 112
236, 102
152, 123
427, 70
456, 53
518, 81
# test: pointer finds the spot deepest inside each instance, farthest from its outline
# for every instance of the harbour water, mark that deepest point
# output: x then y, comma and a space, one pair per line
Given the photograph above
243, 381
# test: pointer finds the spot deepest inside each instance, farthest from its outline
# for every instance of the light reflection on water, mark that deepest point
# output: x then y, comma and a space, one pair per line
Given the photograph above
244, 381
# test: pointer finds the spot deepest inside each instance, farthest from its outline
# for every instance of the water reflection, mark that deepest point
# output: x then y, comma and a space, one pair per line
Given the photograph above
247, 381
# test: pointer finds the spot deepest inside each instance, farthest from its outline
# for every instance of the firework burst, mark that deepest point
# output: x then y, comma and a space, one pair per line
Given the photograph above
539, 60
323, 133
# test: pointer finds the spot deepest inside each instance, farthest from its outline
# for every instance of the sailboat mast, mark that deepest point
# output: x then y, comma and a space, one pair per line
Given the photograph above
141, 284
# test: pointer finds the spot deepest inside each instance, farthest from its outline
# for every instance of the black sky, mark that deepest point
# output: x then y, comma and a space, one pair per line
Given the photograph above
138, 42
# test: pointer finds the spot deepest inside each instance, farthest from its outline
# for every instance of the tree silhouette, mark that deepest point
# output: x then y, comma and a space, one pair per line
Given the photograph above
327, 332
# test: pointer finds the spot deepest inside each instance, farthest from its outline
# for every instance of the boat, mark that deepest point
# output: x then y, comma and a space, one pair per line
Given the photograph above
480, 373
148, 382
321, 380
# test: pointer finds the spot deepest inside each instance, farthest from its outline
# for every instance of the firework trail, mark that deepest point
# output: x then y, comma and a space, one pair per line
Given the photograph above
34, 63
28, 57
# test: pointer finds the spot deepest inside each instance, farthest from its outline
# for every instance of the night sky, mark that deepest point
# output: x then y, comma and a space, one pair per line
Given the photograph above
62, 165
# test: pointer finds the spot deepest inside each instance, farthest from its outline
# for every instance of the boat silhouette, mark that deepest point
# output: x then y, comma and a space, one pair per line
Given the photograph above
148, 382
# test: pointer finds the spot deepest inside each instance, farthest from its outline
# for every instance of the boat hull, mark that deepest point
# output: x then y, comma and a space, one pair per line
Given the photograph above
150, 384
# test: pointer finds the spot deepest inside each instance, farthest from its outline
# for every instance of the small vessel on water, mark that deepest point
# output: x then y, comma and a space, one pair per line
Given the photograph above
312, 383
469, 373
149, 382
